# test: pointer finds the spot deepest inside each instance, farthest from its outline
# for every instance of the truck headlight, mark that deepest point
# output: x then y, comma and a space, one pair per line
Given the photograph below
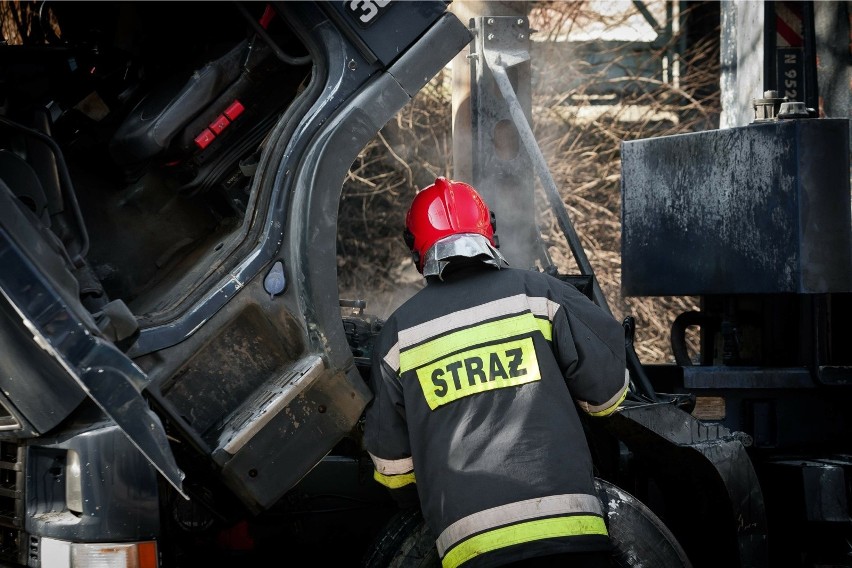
63, 554
73, 484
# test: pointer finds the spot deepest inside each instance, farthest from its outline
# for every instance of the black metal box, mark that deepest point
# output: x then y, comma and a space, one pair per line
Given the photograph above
763, 208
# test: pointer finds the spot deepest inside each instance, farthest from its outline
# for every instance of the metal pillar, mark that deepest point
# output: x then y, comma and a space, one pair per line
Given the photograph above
501, 170
502, 49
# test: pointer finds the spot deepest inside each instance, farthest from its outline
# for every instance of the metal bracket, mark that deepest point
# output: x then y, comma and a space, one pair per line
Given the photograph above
502, 171
504, 45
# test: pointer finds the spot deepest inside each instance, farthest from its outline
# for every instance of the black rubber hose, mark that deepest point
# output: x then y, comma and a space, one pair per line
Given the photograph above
678, 334
258, 29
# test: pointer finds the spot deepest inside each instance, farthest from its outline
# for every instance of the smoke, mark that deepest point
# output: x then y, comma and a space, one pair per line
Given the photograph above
590, 91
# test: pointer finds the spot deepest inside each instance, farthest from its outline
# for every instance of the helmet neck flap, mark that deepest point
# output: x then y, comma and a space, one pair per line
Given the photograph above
465, 245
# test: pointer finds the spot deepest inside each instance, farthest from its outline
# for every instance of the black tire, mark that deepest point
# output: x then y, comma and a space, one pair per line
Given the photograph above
404, 542
638, 536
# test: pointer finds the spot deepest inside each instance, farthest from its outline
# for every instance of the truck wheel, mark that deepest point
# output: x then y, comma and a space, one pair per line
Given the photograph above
405, 542
638, 536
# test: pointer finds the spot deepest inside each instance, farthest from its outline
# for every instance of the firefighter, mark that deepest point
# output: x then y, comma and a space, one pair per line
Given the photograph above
470, 401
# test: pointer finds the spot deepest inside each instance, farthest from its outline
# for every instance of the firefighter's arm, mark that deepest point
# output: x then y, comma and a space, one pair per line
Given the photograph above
386, 434
400, 485
590, 347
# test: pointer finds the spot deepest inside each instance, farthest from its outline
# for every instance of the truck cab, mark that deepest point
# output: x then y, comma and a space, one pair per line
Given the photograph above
174, 361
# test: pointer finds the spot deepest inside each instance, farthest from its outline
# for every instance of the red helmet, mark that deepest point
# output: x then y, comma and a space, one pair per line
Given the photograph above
443, 209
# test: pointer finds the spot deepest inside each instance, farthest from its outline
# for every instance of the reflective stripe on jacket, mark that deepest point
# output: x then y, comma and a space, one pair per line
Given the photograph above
470, 400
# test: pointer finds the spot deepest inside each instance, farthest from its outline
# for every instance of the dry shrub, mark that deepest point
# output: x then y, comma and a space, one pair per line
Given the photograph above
408, 154
609, 92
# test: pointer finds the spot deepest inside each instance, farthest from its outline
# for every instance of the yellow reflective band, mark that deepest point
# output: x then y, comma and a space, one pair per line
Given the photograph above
483, 333
524, 532
478, 370
504, 307
612, 404
394, 481
611, 409
517, 512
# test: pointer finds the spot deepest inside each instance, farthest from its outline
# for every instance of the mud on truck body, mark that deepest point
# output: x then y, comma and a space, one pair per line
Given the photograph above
170, 319
179, 385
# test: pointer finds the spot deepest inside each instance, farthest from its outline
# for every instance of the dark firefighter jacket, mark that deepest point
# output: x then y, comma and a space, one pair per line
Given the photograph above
469, 378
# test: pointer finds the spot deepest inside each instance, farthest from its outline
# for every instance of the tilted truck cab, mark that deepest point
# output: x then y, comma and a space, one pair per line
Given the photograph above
173, 353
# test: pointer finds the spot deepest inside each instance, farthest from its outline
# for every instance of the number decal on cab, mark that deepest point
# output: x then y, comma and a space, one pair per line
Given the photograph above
366, 12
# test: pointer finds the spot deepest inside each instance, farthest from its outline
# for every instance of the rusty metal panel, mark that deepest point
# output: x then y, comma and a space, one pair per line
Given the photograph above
763, 208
